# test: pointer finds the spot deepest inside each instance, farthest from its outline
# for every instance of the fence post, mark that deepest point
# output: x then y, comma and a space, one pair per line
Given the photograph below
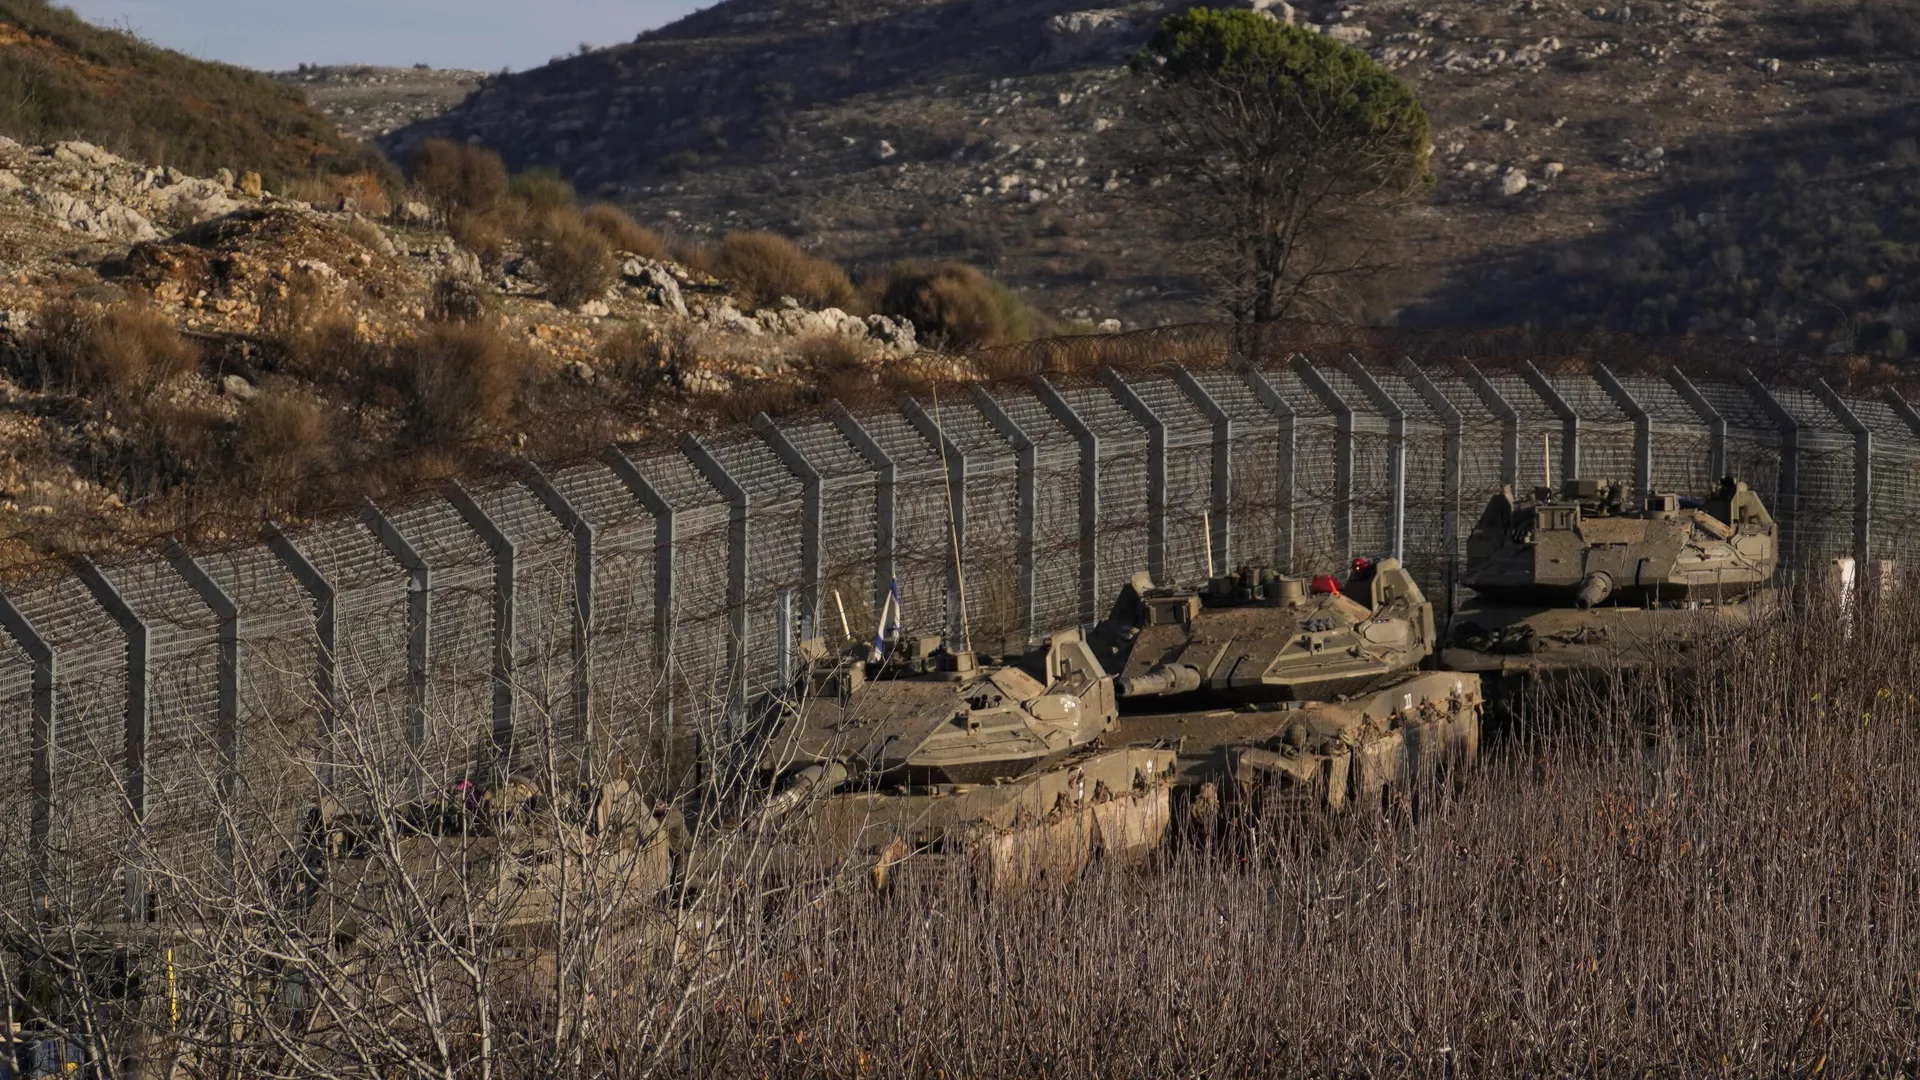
1288, 450
1221, 502
139, 720
739, 519
1498, 404
1862, 471
1789, 428
1342, 453
505, 560
1452, 482
582, 532
886, 497
812, 517
1396, 448
1156, 469
419, 615
1642, 430
934, 431
326, 663
1569, 420
665, 544
1089, 494
46, 672
1710, 416
1027, 468
226, 727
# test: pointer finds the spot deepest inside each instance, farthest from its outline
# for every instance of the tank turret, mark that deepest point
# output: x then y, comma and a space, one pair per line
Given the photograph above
1583, 579
1586, 547
931, 715
1262, 636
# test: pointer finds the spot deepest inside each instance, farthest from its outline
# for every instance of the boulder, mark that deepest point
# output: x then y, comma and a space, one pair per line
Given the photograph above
895, 334
251, 184
237, 388
595, 309
1081, 35
1348, 33
10, 182
124, 224
655, 283
83, 153
1513, 182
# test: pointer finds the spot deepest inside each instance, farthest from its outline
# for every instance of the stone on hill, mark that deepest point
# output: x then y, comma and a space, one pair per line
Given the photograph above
1513, 182
251, 184
1082, 35
655, 283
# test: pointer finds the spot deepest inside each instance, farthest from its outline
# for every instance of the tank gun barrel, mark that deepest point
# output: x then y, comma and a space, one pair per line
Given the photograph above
1163, 680
825, 776
1594, 589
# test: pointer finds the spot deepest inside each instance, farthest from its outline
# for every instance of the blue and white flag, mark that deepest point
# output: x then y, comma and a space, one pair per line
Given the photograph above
889, 628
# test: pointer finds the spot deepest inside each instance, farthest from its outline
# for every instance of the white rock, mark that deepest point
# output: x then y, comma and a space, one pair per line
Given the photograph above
124, 224
885, 151
1554, 170
1348, 33
1513, 182
10, 182
595, 309
1108, 326
237, 387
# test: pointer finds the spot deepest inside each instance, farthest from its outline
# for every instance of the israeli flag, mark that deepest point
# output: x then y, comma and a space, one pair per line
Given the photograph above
889, 628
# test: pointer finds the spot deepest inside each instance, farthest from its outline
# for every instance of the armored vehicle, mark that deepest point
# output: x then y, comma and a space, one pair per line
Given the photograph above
1259, 636
931, 751
1582, 579
1323, 756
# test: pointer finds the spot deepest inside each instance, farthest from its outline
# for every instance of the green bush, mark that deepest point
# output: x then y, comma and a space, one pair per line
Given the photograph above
542, 191
956, 302
765, 267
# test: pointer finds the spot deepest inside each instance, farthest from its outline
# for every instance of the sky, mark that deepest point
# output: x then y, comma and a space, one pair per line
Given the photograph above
486, 35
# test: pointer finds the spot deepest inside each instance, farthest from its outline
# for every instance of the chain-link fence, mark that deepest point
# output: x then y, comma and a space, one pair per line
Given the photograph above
630, 604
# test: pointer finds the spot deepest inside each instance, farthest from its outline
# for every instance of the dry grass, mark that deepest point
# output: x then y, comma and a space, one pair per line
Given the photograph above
463, 382
624, 233
456, 177
121, 352
575, 259
764, 267
955, 304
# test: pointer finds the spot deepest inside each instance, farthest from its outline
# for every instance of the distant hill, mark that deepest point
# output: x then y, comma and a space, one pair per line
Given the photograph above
1740, 167
64, 78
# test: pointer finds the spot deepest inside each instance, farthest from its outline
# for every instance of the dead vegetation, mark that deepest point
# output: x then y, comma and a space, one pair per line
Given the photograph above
1675, 873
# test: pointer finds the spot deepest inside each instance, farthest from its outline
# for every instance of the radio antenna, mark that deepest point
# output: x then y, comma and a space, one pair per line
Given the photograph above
953, 525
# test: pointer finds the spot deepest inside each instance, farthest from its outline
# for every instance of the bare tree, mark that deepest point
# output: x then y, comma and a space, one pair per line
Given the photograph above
1292, 154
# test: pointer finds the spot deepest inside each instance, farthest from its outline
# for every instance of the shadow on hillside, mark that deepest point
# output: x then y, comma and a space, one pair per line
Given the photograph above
1805, 235
721, 86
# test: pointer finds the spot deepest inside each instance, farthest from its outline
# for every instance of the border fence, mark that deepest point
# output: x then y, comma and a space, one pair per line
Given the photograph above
636, 603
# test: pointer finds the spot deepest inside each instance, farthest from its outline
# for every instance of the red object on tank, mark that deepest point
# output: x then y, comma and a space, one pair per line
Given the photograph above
1324, 585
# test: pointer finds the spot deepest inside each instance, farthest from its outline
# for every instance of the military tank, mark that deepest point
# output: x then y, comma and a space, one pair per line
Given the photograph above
1303, 687
1581, 580
1260, 636
931, 752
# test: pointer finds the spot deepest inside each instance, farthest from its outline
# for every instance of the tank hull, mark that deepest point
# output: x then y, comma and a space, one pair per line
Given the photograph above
1496, 639
1403, 734
1110, 803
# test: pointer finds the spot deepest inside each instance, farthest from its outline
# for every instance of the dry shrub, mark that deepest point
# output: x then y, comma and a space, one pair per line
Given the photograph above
624, 233
575, 259
369, 235
456, 298
643, 357
282, 440
457, 177
482, 232
122, 351
695, 255
464, 381
765, 267
956, 302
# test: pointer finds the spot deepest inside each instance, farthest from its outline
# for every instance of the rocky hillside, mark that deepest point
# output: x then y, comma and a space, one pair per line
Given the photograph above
370, 102
1571, 137
185, 354
64, 78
